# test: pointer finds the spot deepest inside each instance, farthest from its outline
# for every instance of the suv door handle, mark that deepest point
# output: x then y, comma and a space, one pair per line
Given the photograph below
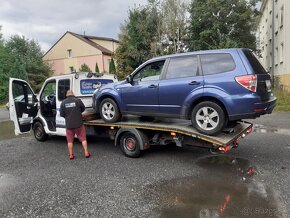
152, 86
194, 83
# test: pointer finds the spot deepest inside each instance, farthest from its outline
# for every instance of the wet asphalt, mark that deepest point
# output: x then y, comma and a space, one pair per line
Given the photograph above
37, 179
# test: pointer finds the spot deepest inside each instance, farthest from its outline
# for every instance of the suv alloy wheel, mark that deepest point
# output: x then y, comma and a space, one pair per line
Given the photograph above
208, 118
109, 111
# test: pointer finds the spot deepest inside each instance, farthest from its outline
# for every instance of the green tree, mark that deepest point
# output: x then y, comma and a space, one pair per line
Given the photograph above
174, 26
27, 61
222, 24
1, 42
151, 30
21, 58
134, 41
112, 68
97, 68
84, 68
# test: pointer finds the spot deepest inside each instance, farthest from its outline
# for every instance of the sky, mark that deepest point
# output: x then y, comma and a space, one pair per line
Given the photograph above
47, 20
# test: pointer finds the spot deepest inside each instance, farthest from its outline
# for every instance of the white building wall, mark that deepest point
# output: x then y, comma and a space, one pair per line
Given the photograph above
281, 39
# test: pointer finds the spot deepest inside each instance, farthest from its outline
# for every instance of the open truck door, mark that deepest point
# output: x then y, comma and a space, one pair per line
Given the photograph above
23, 106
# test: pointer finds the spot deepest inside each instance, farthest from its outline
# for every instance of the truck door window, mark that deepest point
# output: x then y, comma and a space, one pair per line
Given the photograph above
49, 90
63, 86
48, 100
22, 93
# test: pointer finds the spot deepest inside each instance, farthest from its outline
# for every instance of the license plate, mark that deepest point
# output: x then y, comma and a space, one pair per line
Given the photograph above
268, 85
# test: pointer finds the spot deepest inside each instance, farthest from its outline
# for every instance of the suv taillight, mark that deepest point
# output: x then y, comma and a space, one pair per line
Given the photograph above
249, 82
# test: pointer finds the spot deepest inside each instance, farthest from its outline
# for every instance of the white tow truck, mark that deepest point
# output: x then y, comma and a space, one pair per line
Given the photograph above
134, 134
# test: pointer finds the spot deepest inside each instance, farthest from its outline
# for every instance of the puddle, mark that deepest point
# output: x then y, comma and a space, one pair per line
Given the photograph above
7, 131
238, 167
219, 192
265, 129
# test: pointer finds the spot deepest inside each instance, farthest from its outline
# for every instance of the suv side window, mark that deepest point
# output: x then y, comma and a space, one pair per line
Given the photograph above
217, 63
182, 67
150, 72
63, 86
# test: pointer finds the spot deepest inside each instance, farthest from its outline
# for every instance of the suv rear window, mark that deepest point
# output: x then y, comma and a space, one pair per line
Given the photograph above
217, 63
255, 63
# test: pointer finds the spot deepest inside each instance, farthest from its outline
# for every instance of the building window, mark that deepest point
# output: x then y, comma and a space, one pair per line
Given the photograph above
282, 17
276, 56
276, 23
282, 52
270, 66
69, 53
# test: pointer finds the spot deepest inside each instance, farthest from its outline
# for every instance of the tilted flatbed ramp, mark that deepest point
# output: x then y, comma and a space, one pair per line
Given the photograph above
178, 126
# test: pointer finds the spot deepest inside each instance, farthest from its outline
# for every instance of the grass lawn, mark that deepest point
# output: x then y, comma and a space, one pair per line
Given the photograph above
2, 105
283, 100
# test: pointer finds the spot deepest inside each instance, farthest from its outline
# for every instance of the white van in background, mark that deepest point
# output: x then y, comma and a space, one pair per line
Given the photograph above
41, 112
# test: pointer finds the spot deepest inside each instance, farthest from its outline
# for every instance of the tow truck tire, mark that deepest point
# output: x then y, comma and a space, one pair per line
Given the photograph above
39, 132
130, 145
109, 111
208, 118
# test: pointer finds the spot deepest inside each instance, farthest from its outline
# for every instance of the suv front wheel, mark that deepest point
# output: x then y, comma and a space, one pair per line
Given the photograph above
109, 111
208, 118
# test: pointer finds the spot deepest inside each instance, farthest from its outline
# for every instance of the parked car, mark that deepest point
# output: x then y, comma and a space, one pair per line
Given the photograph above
209, 87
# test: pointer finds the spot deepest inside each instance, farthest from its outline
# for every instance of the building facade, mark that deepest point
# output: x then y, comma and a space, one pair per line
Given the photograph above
73, 50
273, 40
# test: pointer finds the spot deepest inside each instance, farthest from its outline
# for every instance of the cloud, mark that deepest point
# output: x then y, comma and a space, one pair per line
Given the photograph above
47, 21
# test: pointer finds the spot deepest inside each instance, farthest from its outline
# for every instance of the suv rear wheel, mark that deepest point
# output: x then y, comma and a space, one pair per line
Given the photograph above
109, 111
208, 118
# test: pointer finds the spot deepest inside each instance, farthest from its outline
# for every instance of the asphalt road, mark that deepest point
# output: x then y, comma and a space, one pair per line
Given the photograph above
38, 179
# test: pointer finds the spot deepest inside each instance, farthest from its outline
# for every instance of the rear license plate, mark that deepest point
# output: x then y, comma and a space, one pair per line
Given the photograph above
268, 85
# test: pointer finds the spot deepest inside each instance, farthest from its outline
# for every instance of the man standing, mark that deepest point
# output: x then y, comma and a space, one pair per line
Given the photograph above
71, 109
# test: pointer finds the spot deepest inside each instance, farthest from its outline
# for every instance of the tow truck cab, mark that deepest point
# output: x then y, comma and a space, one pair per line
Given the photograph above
42, 111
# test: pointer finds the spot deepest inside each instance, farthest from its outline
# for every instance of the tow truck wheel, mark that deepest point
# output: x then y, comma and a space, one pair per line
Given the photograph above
208, 118
39, 132
109, 111
130, 145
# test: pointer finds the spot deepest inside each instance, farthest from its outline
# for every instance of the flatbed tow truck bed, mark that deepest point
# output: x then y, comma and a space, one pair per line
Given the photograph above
135, 134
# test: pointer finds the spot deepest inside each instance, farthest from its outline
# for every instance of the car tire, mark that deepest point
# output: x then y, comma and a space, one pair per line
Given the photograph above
130, 145
109, 111
39, 132
208, 118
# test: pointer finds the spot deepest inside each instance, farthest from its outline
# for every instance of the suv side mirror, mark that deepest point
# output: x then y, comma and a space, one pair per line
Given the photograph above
129, 79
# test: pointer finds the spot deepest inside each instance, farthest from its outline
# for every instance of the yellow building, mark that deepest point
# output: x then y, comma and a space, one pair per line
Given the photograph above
73, 50
273, 39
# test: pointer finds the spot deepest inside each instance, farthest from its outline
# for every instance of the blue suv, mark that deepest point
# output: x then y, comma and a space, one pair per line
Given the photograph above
209, 87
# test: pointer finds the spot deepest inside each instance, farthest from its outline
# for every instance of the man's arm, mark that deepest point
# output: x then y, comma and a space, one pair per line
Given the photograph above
82, 105
62, 110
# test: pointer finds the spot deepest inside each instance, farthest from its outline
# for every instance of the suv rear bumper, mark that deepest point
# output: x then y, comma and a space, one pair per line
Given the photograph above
258, 109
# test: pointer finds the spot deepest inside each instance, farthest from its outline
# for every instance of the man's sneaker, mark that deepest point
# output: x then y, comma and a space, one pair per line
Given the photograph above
71, 156
87, 155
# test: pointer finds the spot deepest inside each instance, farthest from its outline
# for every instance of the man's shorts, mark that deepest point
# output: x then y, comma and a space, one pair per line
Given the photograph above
80, 132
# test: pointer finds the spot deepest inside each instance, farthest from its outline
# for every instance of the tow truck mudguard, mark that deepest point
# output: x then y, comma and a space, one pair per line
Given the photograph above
142, 138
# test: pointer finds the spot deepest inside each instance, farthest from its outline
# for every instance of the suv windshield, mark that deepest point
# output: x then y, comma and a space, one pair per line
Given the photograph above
255, 63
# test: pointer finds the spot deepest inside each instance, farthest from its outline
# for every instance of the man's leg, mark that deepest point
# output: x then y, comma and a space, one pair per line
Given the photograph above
85, 146
70, 137
81, 133
70, 148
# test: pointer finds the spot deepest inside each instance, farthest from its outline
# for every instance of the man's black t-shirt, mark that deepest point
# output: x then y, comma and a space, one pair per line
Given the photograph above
71, 109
